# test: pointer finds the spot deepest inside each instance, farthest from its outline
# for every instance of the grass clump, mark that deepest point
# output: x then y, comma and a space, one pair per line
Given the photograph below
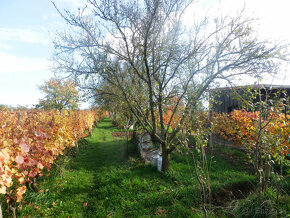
265, 206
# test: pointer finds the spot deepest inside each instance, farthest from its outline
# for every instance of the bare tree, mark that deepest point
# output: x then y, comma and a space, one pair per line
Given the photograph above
143, 49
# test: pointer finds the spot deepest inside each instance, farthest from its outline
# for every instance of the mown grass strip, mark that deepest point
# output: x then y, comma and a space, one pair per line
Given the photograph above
105, 179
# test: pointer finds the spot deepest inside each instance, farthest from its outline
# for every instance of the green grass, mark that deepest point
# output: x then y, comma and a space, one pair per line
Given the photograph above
105, 179
233, 151
267, 206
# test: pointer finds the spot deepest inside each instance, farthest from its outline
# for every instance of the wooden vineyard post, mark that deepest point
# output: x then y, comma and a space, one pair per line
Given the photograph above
77, 147
18, 117
1, 214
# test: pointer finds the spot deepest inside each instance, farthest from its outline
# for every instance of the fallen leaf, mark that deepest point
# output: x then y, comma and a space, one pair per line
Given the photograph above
19, 159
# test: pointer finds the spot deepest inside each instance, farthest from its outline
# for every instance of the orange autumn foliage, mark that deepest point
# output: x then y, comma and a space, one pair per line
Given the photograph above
243, 128
31, 142
169, 110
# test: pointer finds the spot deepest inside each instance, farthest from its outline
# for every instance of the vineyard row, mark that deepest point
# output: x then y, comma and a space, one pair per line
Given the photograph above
30, 141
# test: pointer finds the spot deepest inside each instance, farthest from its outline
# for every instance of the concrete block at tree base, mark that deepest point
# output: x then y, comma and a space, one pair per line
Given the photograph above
147, 152
154, 158
145, 142
159, 164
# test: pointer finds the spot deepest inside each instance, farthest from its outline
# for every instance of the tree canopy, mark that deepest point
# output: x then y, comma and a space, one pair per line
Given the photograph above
141, 53
59, 94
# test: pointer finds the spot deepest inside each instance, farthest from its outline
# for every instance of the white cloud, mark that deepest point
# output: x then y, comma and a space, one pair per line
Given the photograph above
24, 35
273, 16
4, 46
44, 17
50, 17
19, 78
70, 3
23, 99
75, 2
11, 64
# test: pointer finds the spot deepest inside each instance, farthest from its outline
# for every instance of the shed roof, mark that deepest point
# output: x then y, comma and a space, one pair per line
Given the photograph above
269, 86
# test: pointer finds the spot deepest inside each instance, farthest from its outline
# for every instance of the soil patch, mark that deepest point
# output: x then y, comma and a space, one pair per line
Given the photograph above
224, 195
122, 134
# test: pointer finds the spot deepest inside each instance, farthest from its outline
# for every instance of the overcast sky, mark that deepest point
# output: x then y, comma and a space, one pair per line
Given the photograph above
27, 26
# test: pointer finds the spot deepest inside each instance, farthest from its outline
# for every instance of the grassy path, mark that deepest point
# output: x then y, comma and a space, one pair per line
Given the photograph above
100, 181
73, 185
104, 180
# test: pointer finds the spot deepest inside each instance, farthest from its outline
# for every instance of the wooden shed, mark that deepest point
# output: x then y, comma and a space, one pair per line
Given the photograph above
227, 99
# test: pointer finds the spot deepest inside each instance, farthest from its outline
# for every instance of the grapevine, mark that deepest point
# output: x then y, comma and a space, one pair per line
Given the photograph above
30, 141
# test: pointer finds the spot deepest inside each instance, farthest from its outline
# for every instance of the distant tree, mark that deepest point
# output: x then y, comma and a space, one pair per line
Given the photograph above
21, 107
59, 94
3, 107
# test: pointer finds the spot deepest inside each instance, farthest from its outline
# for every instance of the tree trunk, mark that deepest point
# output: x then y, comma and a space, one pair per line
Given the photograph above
134, 136
33, 185
165, 158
